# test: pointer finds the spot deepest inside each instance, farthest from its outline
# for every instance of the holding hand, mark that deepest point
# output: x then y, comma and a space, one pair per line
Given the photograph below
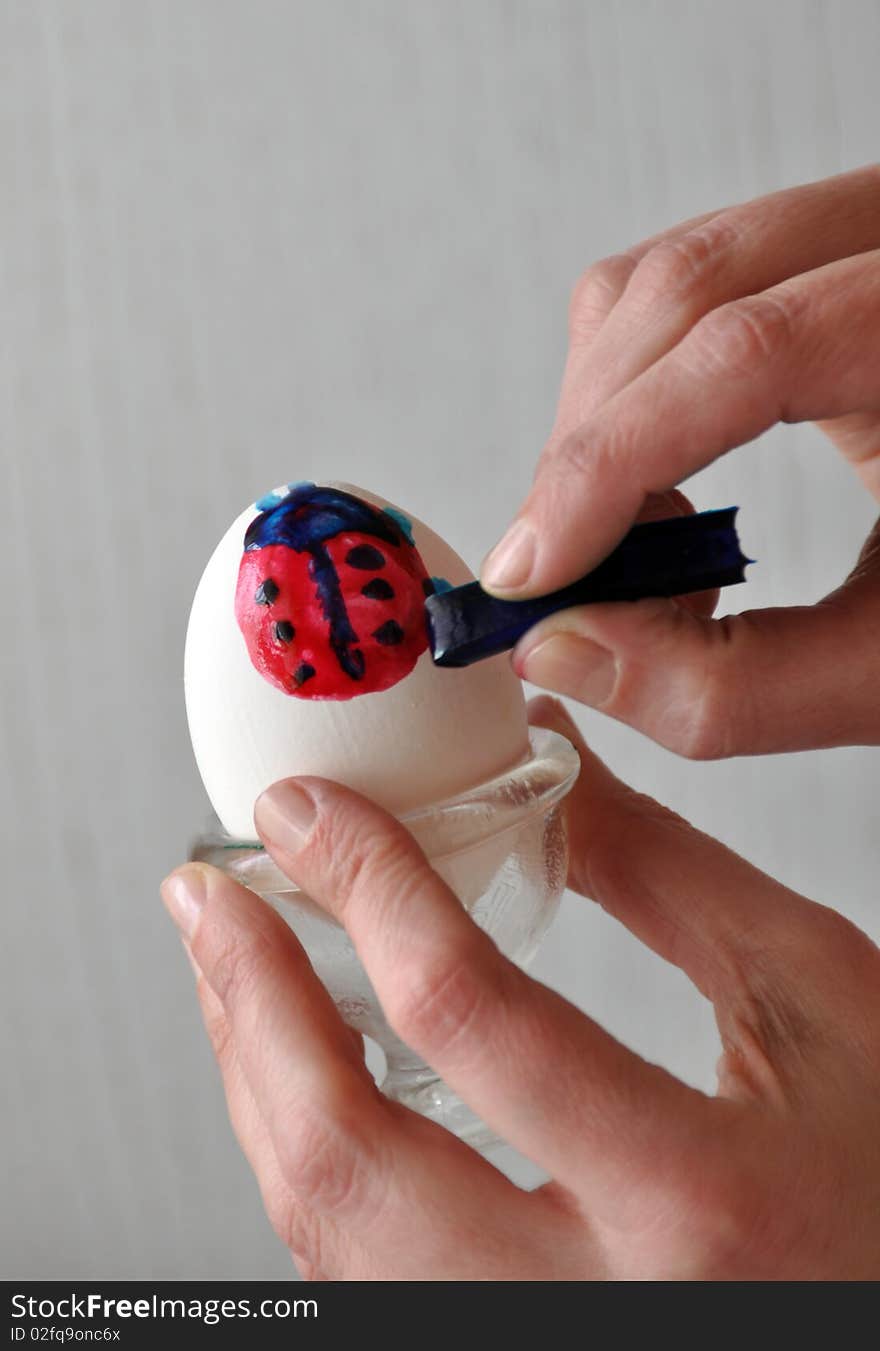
692, 343
779, 1176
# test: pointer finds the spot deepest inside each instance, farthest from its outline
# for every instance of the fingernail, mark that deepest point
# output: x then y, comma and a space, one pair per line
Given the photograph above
509, 565
184, 893
571, 665
285, 815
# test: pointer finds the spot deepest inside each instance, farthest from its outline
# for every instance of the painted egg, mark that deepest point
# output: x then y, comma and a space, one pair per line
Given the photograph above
307, 653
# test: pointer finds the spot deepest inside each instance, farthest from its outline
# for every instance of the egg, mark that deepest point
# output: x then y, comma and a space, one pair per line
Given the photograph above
307, 653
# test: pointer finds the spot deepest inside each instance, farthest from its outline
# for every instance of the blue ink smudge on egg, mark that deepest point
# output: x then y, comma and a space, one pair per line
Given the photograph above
403, 521
277, 495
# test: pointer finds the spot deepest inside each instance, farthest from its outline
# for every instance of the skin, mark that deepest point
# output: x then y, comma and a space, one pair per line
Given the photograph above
681, 349
777, 1177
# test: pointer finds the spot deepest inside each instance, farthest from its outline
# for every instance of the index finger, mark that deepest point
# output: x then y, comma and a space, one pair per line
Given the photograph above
802, 351
666, 284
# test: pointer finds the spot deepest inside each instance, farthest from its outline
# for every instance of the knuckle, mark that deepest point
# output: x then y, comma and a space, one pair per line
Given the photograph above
682, 267
705, 730
595, 294
728, 1220
323, 1162
302, 1233
291, 1221
437, 1005
740, 337
670, 269
717, 1219
363, 856
719, 714
574, 457
650, 812
717, 1216
743, 1228
232, 964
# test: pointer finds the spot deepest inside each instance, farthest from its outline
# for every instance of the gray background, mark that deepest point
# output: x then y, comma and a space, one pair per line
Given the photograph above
247, 242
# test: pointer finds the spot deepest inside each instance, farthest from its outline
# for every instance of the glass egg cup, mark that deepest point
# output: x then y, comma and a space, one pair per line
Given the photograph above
502, 847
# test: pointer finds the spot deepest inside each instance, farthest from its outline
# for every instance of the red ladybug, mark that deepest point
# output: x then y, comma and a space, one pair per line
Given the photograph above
331, 594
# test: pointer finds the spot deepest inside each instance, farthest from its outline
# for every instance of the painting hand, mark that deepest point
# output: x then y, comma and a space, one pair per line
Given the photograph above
684, 347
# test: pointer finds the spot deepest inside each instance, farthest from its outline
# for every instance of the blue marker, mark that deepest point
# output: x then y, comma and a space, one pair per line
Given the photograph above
658, 558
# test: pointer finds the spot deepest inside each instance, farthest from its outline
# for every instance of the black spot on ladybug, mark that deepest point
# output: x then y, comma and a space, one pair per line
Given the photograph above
389, 634
378, 589
365, 557
267, 592
303, 673
428, 586
284, 631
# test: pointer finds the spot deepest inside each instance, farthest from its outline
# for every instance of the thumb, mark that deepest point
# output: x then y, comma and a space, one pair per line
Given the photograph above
769, 680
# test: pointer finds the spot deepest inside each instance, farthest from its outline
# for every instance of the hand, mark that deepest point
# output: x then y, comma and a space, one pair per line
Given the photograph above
682, 348
777, 1177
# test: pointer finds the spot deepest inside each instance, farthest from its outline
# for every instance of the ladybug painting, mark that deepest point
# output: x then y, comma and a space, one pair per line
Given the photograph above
331, 594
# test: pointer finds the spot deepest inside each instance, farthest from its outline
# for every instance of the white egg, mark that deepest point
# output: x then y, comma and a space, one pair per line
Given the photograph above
433, 734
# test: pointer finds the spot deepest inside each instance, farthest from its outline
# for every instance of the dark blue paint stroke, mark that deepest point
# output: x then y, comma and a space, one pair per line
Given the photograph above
305, 520
309, 515
342, 635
